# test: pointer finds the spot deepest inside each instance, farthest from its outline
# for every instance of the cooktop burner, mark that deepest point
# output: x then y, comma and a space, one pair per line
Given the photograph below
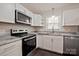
20, 33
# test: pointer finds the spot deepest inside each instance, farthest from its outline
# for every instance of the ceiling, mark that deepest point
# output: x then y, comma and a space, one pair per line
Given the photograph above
42, 8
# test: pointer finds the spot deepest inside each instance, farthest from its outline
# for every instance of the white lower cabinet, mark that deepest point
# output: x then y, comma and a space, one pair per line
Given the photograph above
52, 43
57, 44
39, 41
12, 49
44, 41
47, 42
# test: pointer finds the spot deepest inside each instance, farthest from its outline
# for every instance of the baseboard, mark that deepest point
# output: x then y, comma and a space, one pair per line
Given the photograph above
51, 51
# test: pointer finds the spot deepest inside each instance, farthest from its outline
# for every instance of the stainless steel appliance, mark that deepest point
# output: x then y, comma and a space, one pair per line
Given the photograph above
28, 44
71, 45
28, 40
20, 17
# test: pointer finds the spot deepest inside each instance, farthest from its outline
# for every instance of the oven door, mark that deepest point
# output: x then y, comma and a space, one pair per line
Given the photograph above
28, 45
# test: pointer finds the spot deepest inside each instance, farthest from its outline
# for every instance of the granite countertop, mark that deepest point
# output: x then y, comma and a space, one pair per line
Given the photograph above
57, 34
8, 39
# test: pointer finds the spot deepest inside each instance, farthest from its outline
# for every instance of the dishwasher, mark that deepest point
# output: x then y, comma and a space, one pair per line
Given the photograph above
71, 45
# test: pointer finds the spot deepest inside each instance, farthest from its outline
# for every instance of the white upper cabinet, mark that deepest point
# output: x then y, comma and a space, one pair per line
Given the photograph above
37, 20
71, 17
19, 7
7, 12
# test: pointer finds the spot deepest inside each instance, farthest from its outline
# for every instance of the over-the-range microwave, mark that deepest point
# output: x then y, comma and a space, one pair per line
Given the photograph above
20, 17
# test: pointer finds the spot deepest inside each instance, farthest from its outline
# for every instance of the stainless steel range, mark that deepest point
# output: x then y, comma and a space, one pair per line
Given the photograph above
28, 40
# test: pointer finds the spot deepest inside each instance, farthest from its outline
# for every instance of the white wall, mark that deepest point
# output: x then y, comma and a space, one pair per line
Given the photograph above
71, 17
71, 6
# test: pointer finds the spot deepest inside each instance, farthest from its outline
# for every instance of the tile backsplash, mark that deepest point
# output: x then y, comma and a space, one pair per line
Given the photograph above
5, 28
71, 28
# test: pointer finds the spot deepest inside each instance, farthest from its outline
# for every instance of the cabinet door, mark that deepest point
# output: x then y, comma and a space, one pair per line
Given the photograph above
44, 41
57, 44
17, 51
40, 41
7, 12
37, 20
19, 48
47, 42
12, 49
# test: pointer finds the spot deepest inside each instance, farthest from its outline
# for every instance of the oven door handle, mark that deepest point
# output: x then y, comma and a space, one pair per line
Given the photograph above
29, 38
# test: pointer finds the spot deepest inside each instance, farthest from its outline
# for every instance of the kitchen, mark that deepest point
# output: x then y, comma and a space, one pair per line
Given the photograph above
39, 29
